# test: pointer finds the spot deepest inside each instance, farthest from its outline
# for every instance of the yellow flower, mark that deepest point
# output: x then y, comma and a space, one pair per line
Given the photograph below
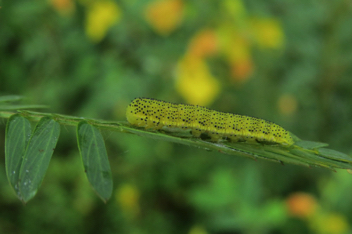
332, 223
237, 49
164, 15
196, 229
233, 44
127, 196
268, 33
195, 82
287, 104
301, 205
101, 16
336, 224
235, 9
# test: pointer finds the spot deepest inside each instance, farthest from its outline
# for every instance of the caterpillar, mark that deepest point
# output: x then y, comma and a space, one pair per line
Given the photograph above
155, 114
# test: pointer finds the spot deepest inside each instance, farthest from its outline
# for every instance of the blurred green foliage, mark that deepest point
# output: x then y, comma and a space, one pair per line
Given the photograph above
285, 61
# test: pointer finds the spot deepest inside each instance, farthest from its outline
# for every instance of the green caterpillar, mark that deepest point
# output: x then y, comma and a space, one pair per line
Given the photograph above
154, 114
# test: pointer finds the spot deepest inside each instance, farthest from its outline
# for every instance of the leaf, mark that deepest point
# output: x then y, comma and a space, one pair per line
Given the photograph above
17, 107
10, 98
335, 155
317, 160
304, 153
37, 157
18, 132
311, 144
272, 153
4, 106
294, 154
95, 159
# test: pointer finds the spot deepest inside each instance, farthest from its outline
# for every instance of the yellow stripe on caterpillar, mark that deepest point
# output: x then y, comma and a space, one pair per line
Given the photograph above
154, 114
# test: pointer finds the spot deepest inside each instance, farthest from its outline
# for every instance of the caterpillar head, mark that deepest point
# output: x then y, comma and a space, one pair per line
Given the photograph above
135, 114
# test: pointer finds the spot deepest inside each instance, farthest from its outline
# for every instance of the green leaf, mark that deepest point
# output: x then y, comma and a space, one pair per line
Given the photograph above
317, 160
335, 155
17, 107
294, 154
95, 159
18, 132
311, 144
4, 106
37, 157
10, 98
304, 153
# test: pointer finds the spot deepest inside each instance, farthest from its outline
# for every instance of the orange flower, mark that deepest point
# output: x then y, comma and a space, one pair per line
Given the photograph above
203, 44
195, 82
165, 15
242, 69
64, 7
302, 205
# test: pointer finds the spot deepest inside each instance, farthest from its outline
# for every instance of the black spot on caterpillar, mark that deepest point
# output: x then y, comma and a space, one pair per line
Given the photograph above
154, 114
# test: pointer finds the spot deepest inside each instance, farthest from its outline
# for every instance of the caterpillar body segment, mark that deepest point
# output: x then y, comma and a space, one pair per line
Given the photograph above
155, 114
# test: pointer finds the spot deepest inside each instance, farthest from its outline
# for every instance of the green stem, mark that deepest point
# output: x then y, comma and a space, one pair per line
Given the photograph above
62, 119
300, 153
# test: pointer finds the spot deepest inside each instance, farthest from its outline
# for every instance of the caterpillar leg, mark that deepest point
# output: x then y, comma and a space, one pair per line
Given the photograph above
196, 132
215, 137
235, 138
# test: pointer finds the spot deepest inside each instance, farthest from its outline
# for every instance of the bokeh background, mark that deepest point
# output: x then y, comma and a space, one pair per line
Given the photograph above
286, 61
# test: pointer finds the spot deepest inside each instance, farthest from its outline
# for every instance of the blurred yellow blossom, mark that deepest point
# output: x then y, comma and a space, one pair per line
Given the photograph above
164, 15
64, 7
268, 32
336, 224
196, 229
203, 44
237, 49
195, 82
287, 104
101, 16
235, 8
127, 196
301, 205
83, 200
332, 223
233, 44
